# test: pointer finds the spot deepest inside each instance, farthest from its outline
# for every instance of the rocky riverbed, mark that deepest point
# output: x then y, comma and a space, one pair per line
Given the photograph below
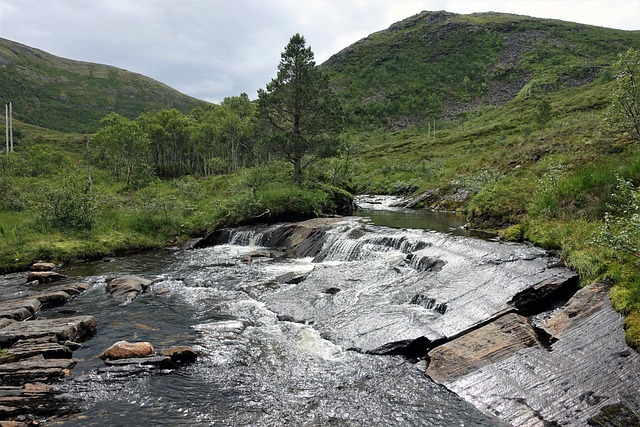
503, 326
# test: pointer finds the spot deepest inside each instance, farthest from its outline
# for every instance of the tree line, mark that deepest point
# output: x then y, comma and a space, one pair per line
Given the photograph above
297, 118
168, 144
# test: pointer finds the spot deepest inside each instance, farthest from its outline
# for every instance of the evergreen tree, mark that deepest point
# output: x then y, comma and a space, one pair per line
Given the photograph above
301, 112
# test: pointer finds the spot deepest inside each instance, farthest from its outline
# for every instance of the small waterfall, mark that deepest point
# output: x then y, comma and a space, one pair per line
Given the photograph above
424, 263
342, 250
241, 237
429, 303
353, 246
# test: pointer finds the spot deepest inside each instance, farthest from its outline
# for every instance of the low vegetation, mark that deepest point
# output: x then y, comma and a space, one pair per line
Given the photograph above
554, 162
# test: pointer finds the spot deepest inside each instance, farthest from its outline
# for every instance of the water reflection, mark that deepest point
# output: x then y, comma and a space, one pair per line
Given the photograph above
383, 211
448, 222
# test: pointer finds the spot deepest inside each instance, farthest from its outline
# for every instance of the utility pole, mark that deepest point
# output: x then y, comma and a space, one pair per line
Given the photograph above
10, 126
6, 127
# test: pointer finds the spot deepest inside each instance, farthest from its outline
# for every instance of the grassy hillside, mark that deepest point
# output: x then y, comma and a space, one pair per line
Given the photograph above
73, 96
438, 65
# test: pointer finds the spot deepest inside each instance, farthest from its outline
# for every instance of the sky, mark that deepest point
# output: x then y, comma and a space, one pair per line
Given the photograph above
211, 49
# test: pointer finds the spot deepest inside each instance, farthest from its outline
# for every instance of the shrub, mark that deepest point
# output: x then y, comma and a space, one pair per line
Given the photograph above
621, 228
632, 329
515, 233
404, 187
71, 206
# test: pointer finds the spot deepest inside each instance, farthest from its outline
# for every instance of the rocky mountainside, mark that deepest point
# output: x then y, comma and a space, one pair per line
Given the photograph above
72, 96
438, 65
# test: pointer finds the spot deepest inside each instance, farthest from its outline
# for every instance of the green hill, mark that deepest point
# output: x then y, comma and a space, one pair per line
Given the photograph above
73, 96
437, 65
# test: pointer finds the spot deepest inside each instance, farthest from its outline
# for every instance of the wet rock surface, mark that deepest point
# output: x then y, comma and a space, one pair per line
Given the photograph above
489, 344
35, 352
408, 285
588, 375
479, 311
127, 288
127, 350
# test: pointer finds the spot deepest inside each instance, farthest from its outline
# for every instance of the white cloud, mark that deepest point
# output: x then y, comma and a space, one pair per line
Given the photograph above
211, 49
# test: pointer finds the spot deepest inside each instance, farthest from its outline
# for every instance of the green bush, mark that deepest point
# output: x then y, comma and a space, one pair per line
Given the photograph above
11, 199
72, 206
632, 329
621, 228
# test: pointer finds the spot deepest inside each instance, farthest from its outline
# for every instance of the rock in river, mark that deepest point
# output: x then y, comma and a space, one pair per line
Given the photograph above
126, 350
127, 287
489, 344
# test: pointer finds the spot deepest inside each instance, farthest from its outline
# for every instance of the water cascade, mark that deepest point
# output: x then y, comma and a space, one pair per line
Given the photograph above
333, 322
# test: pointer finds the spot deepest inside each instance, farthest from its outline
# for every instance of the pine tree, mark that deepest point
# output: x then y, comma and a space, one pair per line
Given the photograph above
301, 112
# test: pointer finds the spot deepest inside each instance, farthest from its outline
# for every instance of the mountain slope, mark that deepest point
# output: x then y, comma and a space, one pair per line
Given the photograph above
438, 65
73, 96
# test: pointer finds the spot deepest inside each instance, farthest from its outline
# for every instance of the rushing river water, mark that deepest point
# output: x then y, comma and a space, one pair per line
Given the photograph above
257, 368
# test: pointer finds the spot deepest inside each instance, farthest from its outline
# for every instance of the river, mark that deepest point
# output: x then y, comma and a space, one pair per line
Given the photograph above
304, 353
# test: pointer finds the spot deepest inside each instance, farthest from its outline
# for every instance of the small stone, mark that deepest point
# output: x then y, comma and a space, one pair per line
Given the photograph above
127, 350
45, 276
181, 354
43, 266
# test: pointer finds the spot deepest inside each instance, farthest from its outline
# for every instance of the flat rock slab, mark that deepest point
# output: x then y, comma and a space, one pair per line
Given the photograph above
48, 347
589, 368
64, 329
21, 309
584, 304
72, 289
28, 307
35, 369
27, 399
43, 266
45, 276
162, 362
489, 344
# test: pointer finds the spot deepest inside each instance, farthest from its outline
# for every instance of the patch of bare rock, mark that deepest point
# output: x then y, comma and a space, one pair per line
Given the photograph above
35, 352
127, 288
547, 369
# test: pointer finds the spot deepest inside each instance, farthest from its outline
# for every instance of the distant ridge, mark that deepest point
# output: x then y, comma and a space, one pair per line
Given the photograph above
430, 66
72, 96
438, 65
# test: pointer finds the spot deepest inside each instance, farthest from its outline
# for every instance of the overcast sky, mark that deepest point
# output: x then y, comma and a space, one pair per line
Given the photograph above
211, 49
